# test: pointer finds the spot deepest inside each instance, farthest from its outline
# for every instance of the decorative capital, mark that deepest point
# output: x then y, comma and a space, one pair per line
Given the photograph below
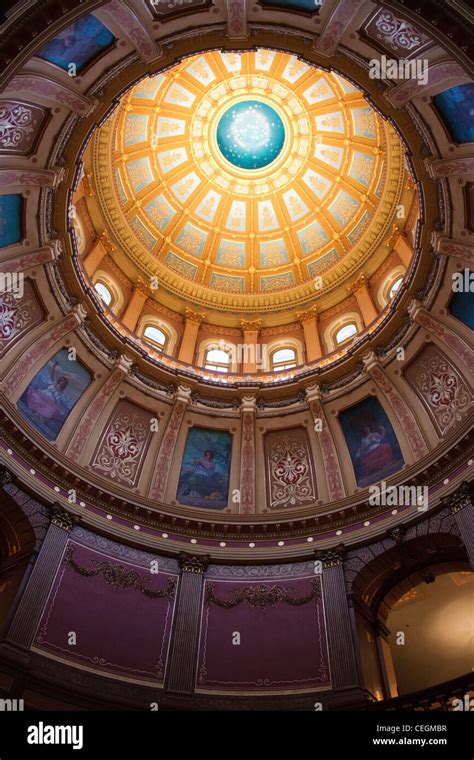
87, 185
313, 392
306, 316
183, 393
414, 308
398, 534
124, 363
391, 241
369, 360
62, 519
106, 242
190, 563
251, 325
358, 284
80, 312
248, 404
5, 476
194, 316
143, 287
462, 497
332, 557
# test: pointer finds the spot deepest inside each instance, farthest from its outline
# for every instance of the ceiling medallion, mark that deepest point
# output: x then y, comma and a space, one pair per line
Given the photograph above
250, 134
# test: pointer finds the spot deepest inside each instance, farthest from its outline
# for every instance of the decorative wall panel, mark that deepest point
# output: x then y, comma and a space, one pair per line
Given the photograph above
204, 478
18, 315
455, 108
79, 43
119, 611
394, 34
289, 469
282, 642
20, 126
122, 449
440, 387
11, 219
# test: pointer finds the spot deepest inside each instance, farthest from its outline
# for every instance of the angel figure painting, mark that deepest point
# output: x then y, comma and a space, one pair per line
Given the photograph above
204, 477
371, 440
52, 393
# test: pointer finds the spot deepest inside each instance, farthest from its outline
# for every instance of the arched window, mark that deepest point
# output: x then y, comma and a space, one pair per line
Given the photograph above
395, 287
217, 360
156, 336
346, 332
104, 293
283, 358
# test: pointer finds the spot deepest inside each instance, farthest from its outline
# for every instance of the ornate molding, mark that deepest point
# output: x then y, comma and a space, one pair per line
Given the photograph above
119, 576
462, 497
332, 557
263, 595
190, 563
5, 476
62, 519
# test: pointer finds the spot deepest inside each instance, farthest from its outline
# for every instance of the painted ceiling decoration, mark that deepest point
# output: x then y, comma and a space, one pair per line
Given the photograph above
233, 176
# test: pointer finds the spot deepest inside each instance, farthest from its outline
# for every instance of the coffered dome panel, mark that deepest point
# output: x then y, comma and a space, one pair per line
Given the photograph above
238, 177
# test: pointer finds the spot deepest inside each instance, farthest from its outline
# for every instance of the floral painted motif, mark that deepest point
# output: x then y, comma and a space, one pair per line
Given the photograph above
124, 444
290, 477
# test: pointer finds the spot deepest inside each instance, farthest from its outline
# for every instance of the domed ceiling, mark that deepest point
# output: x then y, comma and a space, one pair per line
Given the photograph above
237, 179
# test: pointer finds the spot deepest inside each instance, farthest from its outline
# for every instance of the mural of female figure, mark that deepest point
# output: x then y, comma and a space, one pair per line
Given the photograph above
202, 478
374, 452
52, 393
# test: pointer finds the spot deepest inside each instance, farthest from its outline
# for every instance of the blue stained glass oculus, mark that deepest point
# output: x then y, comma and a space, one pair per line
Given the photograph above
456, 108
461, 306
78, 43
11, 219
250, 134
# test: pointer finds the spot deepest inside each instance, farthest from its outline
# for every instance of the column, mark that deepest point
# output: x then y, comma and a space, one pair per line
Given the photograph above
407, 419
404, 250
364, 300
341, 646
28, 613
168, 443
101, 247
188, 341
133, 310
442, 334
332, 467
461, 503
181, 668
309, 322
248, 410
250, 332
386, 661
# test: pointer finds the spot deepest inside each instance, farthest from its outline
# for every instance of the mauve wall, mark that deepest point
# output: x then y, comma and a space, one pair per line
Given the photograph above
106, 593
278, 612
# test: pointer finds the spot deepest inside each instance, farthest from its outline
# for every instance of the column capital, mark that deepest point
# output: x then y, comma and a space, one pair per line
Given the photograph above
124, 363
62, 519
305, 316
80, 313
192, 563
414, 308
251, 325
194, 316
248, 404
369, 360
313, 392
462, 497
143, 287
359, 283
5, 476
333, 557
105, 240
183, 393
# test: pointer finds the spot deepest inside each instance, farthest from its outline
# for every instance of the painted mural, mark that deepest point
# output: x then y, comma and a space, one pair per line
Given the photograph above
204, 477
79, 43
455, 109
371, 441
52, 394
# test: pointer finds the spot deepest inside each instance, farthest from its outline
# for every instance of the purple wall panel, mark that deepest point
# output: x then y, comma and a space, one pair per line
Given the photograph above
283, 646
118, 628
